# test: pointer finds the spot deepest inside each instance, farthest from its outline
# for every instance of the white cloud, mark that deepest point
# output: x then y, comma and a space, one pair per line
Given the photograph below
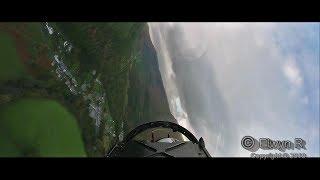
292, 73
231, 79
305, 100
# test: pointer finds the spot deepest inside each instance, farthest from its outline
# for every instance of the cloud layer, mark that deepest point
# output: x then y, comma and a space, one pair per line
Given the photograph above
237, 79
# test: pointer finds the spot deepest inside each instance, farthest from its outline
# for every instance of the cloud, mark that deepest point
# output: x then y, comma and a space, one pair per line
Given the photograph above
237, 79
305, 100
292, 72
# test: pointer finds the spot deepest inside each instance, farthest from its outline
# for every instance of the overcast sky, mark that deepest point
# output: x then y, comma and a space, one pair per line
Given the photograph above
228, 80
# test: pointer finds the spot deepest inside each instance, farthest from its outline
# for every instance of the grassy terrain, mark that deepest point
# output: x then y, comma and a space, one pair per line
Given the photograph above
10, 65
38, 127
147, 100
108, 48
39, 116
33, 127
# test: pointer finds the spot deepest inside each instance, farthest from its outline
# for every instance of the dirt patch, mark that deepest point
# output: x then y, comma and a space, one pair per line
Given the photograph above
18, 33
42, 58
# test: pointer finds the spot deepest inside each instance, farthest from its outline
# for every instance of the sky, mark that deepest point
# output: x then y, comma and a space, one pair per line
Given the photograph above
228, 80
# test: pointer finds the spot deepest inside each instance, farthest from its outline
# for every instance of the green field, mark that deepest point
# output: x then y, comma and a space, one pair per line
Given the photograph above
39, 116
30, 126
38, 127
10, 65
48, 127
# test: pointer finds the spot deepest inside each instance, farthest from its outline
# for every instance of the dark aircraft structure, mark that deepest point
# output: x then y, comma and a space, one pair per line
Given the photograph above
159, 139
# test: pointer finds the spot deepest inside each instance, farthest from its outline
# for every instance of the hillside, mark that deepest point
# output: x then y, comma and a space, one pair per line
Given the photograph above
104, 74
